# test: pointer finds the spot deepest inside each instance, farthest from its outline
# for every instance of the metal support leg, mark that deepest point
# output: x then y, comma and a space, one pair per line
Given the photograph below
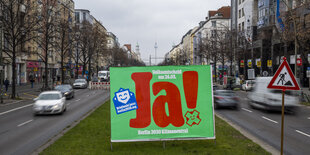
164, 145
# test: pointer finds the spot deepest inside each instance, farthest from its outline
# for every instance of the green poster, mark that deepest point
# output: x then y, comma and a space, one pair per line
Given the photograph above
161, 103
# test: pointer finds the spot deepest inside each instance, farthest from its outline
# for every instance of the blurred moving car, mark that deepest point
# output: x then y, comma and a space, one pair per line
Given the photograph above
248, 85
66, 90
270, 99
225, 98
80, 83
215, 87
49, 102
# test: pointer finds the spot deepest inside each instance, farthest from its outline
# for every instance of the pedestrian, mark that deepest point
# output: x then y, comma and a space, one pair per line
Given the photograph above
6, 83
31, 79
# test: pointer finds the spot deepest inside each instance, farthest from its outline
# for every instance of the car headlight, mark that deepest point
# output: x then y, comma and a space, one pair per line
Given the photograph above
36, 107
66, 93
57, 106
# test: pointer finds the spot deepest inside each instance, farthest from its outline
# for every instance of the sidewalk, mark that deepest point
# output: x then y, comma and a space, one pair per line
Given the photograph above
20, 90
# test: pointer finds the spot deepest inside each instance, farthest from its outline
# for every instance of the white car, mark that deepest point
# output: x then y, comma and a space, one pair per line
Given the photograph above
248, 85
80, 83
104, 76
270, 99
50, 102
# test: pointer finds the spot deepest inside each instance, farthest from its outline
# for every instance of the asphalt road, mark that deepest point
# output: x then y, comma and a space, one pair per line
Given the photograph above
21, 132
266, 126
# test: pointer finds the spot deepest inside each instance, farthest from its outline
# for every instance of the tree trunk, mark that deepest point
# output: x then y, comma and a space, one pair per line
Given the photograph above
89, 69
77, 62
62, 70
13, 96
46, 72
215, 69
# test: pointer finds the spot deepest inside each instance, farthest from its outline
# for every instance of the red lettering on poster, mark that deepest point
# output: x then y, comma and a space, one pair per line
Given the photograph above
173, 99
143, 113
190, 84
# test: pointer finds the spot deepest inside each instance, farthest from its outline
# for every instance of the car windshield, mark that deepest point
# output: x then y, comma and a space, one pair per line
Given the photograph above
49, 97
251, 82
62, 88
79, 80
102, 74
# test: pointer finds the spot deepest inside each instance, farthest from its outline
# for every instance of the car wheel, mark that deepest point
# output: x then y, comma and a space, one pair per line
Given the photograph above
236, 107
216, 106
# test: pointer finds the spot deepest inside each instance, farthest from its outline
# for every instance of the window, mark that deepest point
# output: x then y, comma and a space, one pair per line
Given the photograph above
213, 23
239, 27
77, 17
213, 33
84, 16
239, 2
242, 26
242, 12
239, 13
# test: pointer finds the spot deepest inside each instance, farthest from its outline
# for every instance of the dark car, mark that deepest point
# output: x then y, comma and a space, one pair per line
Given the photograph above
94, 79
225, 98
66, 90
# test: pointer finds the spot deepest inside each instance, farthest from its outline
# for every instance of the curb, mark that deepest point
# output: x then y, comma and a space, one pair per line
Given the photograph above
264, 145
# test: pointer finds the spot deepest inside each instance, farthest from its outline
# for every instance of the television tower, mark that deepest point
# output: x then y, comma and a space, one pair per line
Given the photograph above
155, 52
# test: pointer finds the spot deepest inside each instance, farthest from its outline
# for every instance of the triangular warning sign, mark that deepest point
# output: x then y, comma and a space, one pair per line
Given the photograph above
284, 78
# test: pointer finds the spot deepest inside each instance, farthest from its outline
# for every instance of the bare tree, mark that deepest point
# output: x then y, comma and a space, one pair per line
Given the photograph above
64, 38
77, 41
85, 39
18, 24
46, 40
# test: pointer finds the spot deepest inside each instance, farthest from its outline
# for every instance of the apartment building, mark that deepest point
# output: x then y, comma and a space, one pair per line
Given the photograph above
216, 26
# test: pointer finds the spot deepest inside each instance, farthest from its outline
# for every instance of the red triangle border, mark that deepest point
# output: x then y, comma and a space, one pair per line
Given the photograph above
284, 63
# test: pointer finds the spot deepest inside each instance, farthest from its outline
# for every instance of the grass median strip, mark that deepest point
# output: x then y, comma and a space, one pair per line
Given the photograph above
92, 136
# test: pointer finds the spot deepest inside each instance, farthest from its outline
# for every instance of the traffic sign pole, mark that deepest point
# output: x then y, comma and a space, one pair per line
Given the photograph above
283, 80
282, 121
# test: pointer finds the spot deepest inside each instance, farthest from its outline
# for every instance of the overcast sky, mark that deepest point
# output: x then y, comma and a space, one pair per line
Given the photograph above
148, 21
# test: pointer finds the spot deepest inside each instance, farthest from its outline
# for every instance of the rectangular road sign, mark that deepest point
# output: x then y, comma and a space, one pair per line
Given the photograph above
251, 74
161, 103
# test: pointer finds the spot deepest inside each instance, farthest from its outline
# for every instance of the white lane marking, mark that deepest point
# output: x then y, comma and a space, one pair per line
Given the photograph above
303, 133
15, 109
246, 110
269, 119
10, 103
77, 100
24, 123
308, 117
68, 104
87, 95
